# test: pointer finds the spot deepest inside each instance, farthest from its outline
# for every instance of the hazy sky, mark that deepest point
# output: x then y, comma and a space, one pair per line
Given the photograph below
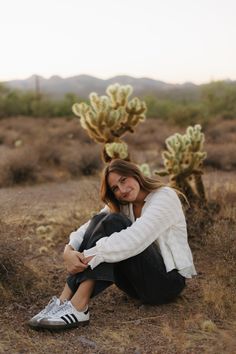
169, 40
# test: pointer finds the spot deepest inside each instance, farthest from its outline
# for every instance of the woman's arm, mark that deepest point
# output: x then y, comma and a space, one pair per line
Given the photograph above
163, 211
76, 237
73, 259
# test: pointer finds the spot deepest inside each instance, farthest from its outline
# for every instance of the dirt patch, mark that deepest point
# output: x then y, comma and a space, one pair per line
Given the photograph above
201, 320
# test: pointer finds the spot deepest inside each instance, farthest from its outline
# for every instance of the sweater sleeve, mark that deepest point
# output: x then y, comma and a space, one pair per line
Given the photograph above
163, 210
76, 237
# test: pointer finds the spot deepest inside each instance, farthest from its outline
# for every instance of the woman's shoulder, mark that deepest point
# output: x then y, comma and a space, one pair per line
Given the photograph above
164, 193
163, 190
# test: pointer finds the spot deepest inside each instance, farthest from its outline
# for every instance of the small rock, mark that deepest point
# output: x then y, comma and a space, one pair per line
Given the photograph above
18, 143
87, 342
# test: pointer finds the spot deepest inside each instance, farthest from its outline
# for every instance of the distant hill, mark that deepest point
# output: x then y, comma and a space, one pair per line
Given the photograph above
82, 85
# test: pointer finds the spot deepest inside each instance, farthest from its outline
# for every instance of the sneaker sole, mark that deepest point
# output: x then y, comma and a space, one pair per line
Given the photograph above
51, 327
33, 324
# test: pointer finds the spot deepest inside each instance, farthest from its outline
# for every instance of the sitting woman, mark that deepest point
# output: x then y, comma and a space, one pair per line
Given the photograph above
138, 241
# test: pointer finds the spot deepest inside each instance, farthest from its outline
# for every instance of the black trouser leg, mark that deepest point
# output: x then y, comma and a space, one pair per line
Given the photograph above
100, 225
144, 277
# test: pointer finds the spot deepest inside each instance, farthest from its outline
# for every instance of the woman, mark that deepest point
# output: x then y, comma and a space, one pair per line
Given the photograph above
138, 241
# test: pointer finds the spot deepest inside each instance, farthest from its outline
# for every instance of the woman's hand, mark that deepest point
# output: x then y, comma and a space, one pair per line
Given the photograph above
86, 260
73, 260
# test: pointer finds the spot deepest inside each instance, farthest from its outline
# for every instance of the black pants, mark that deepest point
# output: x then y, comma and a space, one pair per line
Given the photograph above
143, 276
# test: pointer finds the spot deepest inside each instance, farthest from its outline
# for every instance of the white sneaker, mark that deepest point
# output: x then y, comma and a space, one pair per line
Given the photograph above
52, 306
66, 316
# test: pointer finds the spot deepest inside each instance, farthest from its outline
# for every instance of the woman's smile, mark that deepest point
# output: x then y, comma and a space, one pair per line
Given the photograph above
126, 195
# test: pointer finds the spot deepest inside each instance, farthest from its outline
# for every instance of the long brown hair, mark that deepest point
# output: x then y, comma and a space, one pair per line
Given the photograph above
127, 169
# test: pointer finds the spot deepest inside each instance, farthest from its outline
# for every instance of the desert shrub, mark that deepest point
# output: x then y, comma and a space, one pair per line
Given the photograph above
219, 288
62, 108
90, 161
221, 156
221, 131
85, 160
181, 112
158, 108
18, 167
220, 98
48, 153
188, 114
29, 103
151, 135
66, 131
15, 277
10, 137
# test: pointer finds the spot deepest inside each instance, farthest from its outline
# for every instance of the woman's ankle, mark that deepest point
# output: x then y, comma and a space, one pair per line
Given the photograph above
80, 306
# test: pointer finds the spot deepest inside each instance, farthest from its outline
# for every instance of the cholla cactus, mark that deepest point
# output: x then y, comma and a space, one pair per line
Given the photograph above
145, 169
183, 162
117, 150
107, 118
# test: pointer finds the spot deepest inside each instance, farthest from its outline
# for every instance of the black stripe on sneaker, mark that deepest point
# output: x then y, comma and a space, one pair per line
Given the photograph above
74, 317
85, 312
69, 318
65, 320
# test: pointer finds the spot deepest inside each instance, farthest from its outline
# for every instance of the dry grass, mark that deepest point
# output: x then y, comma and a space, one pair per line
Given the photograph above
221, 131
221, 156
36, 221
17, 167
40, 150
57, 149
16, 279
202, 320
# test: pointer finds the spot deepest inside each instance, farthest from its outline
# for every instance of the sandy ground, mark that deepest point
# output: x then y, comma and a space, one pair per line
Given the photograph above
118, 324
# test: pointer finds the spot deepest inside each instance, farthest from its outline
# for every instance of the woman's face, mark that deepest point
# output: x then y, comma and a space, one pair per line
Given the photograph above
125, 189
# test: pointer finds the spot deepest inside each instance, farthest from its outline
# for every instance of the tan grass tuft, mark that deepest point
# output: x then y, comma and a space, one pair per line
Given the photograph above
208, 326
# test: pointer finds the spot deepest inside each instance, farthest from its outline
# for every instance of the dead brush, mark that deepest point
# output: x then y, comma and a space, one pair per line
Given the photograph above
85, 161
48, 153
152, 134
221, 156
64, 130
16, 279
219, 242
90, 161
221, 131
19, 166
218, 298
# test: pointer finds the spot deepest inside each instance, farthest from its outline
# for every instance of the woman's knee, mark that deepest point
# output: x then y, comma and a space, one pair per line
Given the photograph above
115, 222
117, 217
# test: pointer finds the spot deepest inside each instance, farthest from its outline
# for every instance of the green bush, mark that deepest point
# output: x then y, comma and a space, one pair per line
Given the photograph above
219, 98
179, 106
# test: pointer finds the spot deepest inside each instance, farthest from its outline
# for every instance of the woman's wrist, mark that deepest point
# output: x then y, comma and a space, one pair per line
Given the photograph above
68, 247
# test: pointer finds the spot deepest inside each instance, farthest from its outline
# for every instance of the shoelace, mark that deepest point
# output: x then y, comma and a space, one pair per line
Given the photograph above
49, 305
61, 308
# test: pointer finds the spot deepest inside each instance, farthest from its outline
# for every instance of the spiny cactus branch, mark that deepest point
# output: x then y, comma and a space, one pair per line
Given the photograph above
108, 118
183, 161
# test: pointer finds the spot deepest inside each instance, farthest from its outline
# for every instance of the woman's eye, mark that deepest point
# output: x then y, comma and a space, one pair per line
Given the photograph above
123, 179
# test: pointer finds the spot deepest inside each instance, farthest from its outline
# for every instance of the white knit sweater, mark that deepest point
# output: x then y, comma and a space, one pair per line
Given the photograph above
162, 220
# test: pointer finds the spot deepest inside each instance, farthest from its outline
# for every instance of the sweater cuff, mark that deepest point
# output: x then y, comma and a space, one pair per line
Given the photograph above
74, 244
95, 261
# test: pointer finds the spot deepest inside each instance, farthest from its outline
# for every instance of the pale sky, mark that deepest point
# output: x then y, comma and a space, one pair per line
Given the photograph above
170, 40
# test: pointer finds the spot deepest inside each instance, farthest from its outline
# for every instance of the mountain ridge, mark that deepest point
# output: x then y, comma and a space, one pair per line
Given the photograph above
81, 85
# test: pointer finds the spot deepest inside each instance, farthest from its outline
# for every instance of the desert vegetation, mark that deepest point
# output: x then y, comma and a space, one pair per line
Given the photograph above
49, 179
201, 104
